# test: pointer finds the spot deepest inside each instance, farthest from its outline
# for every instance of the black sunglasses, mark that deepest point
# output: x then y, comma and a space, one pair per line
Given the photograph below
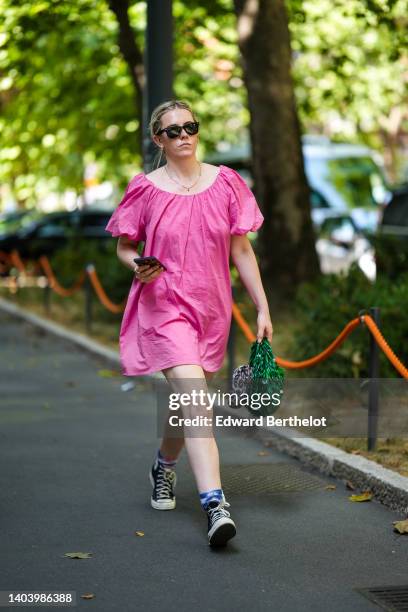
173, 131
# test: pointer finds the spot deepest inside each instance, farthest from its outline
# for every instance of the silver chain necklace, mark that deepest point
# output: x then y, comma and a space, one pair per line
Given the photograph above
181, 184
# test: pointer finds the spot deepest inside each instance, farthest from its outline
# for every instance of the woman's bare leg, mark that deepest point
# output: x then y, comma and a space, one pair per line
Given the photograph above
202, 451
171, 447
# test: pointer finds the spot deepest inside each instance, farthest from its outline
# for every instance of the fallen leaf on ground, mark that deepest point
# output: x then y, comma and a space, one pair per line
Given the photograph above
88, 596
139, 533
356, 452
350, 485
263, 453
362, 497
401, 526
78, 555
330, 487
108, 373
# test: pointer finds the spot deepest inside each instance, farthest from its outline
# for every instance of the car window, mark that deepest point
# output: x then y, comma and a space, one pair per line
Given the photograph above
25, 221
317, 200
339, 228
54, 228
94, 220
357, 179
347, 182
396, 212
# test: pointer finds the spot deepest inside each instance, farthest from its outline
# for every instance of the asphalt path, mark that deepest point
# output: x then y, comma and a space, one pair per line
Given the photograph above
75, 450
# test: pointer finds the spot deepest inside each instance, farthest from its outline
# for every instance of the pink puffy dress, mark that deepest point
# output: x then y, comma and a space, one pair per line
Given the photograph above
184, 315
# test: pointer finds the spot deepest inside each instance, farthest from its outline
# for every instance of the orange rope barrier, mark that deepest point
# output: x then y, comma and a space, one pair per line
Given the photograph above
100, 292
5, 263
295, 365
5, 256
17, 261
54, 284
67, 292
382, 343
242, 324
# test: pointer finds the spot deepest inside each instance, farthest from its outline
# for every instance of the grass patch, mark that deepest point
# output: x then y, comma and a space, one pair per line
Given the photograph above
69, 312
391, 453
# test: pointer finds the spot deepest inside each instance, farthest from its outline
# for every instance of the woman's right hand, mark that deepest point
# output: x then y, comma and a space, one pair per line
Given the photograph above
146, 274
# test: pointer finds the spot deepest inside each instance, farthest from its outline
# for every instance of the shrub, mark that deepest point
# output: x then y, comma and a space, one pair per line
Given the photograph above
391, 255
115, 278
323, 309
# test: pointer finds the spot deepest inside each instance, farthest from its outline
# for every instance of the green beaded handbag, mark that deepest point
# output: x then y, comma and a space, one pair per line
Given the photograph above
261, 375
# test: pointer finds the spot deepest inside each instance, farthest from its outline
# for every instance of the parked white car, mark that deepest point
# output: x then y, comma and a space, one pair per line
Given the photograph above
346, 178
340, 243
348, 194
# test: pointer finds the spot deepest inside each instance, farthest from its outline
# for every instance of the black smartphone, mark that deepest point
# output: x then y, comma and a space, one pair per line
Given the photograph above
150, 261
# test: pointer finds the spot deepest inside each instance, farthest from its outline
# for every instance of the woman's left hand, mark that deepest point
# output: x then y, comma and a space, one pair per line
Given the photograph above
264, 326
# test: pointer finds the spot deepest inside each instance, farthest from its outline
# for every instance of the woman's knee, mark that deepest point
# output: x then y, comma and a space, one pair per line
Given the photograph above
186, 379
184, 371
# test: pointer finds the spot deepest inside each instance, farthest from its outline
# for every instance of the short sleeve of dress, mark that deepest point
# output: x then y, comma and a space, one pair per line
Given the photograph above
244, 212
128, 217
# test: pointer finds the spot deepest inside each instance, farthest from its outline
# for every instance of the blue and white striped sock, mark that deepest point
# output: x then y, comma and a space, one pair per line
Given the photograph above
165, 461
207, 496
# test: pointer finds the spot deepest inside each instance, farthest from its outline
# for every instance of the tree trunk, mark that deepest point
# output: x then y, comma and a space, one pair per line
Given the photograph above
286, 244
132, 55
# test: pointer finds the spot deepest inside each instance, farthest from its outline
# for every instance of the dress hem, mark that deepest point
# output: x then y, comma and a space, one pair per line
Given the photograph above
169, 365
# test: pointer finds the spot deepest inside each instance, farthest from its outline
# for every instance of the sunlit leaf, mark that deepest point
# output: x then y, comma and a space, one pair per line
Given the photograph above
108, 373
362, 497
401, 526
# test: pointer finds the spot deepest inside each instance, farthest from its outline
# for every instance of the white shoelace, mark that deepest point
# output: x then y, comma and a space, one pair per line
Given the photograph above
165, 481
219, 511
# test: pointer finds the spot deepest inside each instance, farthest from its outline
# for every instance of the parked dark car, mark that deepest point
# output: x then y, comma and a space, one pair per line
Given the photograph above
395, 217
391, 238
11, 222
43, 234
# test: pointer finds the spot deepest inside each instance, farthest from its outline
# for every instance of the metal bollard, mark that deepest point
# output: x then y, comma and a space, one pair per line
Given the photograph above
88, 299
47, 297
374, 368
231, 347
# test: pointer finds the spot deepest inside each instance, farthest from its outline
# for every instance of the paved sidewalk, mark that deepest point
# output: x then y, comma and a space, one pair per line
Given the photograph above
75, 451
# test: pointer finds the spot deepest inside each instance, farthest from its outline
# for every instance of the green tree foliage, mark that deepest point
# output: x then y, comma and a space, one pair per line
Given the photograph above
350, 62
66, 95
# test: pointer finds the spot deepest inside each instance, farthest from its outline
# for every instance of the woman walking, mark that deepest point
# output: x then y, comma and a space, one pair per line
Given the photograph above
192, 216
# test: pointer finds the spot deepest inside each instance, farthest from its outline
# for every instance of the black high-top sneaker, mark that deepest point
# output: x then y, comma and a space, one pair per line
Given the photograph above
163, 482
221, 527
